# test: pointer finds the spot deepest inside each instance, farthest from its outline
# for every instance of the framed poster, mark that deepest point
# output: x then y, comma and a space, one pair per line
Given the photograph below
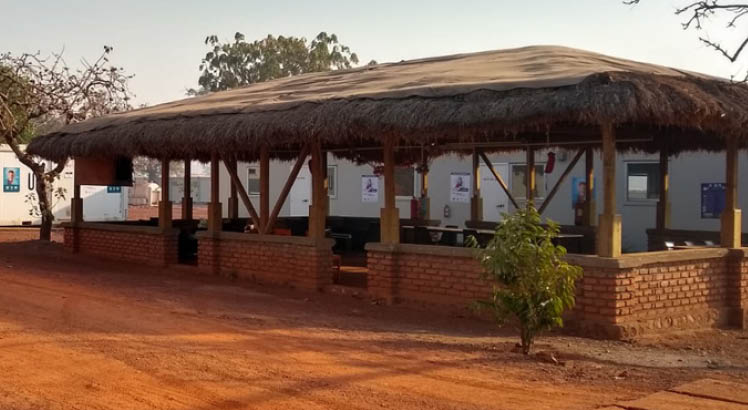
459, 187
11, 179
712, 200
579, 190
369, 188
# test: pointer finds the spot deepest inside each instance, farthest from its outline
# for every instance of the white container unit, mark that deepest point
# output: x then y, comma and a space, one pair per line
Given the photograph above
100, 203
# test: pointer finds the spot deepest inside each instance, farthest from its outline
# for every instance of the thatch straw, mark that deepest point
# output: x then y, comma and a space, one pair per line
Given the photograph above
550, 95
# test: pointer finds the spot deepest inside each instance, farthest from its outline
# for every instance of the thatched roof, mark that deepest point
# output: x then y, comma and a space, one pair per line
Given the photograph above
543, 94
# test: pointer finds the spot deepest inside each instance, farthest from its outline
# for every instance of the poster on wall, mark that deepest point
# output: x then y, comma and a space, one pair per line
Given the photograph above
459, 187
369, 188
712, 200
11, 179
578, 191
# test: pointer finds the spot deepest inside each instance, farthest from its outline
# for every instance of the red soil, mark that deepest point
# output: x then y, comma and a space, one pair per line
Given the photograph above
78, 332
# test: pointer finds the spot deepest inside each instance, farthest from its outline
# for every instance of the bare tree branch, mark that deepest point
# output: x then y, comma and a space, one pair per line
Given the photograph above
699, 13
40, 93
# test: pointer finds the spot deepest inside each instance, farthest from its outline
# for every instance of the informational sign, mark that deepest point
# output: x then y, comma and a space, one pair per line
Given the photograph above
369, 188
459, 187
11, 179
712, 200
579, 190
113, 189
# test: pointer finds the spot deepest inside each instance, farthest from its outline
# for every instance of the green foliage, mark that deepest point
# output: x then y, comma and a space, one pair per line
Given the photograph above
231, 65
532, 281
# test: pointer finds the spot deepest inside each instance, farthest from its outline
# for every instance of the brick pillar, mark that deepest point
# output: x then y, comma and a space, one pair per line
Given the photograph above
382, 278
207, 255
320, 266
737, 262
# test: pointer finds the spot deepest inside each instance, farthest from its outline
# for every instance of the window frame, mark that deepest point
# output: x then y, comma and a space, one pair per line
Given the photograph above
334, 178
642, 201
523, 198
257, 170
415, 184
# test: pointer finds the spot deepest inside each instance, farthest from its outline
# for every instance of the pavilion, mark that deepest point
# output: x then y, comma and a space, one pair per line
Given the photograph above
401, 113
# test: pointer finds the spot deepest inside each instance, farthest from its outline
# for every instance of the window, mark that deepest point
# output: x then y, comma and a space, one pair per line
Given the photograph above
405, 181
332, 181
519, 177
253, 180
642, 181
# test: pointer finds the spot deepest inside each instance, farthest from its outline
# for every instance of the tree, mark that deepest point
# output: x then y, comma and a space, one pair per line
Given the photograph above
698, 14
151, 168
231, 65
38, 94
532, 282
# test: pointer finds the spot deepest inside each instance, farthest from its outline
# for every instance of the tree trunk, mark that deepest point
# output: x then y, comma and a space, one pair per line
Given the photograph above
45, 230
527, 338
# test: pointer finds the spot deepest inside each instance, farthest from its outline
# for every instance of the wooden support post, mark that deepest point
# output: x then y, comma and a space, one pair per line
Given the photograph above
500, 180
731, 216
187, 197
264, 186
233, 205
76, 215
286, 189
215, 216
231, 167
663, 205
589, 194
317, 212
76, 211
530, 176
424, 202
476, 201
164, 206
560, 181
390, 216
326, 188
609, 230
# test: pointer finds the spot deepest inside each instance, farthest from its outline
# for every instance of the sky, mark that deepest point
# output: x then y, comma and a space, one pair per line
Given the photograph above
161, 41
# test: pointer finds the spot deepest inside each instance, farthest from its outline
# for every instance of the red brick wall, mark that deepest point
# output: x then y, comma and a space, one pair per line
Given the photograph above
138, 244
654, 298
625, 297
427, 274
284, 260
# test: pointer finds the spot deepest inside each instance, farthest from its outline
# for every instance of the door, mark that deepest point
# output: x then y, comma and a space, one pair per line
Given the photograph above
495, 201
300, 194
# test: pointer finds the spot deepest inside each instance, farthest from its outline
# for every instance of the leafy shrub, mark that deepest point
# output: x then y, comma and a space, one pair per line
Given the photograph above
531, 280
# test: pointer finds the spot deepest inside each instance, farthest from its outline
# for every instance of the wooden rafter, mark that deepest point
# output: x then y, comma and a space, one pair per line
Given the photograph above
498, 178
561, 180
231, 167
286, 189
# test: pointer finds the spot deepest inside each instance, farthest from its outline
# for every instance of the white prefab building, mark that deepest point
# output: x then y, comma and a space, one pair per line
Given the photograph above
637, 174
18, 195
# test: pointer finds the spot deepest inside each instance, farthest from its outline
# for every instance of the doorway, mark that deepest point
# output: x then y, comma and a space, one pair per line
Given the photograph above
300, 195
495, 201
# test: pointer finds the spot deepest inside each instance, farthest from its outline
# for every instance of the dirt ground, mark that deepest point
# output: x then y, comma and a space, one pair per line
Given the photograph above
82, 333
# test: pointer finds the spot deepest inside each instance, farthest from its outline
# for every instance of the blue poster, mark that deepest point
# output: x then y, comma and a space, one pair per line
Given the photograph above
712, 200
113, 189
578, 190
11, 179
